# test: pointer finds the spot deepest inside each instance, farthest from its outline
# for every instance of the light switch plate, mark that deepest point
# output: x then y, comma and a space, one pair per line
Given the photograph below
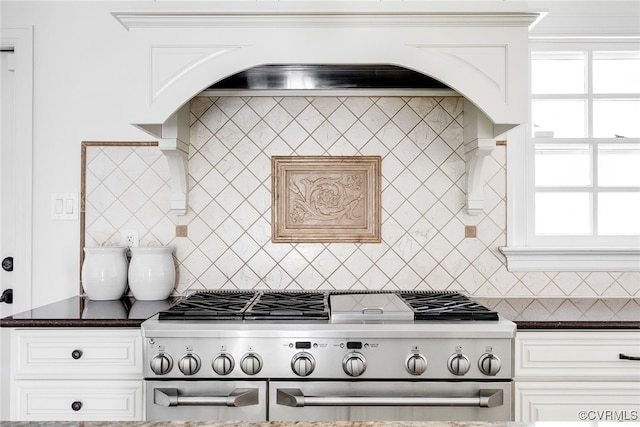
64, 206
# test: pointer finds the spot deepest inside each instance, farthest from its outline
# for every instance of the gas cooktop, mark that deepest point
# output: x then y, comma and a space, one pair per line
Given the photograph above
254, 305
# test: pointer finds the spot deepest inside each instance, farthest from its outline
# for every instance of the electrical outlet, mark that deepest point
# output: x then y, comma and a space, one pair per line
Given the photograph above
129, 238
470, 231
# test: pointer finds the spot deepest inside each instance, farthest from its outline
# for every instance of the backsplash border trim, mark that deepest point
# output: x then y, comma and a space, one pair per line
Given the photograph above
83, 185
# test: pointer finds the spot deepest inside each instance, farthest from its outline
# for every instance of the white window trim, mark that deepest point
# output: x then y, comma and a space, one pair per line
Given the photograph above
524, 255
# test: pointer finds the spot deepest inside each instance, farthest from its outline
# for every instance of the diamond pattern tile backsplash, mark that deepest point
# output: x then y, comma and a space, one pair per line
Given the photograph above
229, 231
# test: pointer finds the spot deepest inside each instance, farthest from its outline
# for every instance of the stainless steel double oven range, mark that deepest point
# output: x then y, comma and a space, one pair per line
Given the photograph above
323, 356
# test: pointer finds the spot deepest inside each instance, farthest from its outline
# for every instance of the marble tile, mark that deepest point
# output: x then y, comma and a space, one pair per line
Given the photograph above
229, 231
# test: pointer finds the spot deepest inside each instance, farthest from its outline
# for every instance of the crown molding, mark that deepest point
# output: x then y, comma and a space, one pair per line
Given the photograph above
289, 19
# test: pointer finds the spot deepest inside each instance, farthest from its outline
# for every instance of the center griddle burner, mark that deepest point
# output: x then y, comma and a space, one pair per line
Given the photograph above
314, 306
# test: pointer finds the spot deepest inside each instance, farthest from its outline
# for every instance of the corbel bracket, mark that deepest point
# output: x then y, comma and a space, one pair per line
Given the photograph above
479, 142
174, 144
475, 153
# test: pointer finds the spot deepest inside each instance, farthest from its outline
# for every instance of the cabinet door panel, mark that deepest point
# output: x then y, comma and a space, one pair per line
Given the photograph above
62, 354
77, 400
577, 355
577, 401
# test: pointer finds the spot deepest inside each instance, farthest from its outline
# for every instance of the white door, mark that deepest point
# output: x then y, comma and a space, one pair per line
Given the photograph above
16, 142
7, 173
16, 180
7, 120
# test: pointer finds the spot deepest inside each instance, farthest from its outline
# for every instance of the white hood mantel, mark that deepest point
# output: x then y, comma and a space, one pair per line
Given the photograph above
479, 49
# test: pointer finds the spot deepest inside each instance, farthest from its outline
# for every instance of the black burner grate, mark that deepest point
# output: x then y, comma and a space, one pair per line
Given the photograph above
250, 305
210, 305
435, 305
309, 305
289, 306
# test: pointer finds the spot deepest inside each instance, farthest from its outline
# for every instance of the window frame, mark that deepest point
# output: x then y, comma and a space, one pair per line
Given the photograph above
527, 252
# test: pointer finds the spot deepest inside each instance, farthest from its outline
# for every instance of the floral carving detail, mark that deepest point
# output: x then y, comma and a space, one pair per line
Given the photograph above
326, 198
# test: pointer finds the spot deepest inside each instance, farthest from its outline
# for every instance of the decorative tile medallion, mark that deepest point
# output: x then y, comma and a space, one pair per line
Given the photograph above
326, 199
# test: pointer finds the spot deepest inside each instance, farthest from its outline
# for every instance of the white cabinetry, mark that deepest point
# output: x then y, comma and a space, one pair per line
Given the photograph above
76, 374
577, 376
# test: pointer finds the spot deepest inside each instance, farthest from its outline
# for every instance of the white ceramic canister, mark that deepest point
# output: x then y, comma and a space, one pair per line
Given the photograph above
152, 273
104, 272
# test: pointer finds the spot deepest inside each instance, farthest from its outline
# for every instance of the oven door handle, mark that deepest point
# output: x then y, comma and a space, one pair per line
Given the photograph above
238, 397
294, 397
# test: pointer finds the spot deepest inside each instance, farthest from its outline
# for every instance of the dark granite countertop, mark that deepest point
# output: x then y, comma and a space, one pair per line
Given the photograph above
83, 312
527, 313
568, 313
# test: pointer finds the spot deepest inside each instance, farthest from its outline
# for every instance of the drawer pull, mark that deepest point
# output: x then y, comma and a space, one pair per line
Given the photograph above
484, 398
237, 398
76, 406
625, 357
76, 354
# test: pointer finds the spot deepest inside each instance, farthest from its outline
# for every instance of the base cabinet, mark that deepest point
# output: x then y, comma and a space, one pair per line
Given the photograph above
82, 374
78, 400
578, 401
577, 376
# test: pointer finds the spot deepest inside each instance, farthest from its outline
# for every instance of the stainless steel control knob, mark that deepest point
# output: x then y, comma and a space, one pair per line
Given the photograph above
354, 364
189, 364
223, 364
416, 364
161, 364
251, 364
458, 364
303, 364
489, 364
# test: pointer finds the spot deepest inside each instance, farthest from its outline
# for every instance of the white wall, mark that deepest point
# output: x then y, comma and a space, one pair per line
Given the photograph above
80, 90
80, 87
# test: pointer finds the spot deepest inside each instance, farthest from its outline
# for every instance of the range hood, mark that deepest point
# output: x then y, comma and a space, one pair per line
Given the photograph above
327, 77
477, 50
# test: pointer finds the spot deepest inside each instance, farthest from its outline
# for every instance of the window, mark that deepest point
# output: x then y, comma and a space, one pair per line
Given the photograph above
585, 115
581, 158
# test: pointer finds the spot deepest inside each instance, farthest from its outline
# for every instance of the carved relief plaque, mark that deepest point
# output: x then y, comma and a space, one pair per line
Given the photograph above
325, 199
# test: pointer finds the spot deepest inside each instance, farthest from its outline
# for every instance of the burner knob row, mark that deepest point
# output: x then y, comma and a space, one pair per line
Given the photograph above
489, 364
222, 364
303, 364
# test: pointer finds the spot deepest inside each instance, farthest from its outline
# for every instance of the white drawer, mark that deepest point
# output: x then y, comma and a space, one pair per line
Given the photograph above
579, 355
94, 400
577, 401
99, 353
